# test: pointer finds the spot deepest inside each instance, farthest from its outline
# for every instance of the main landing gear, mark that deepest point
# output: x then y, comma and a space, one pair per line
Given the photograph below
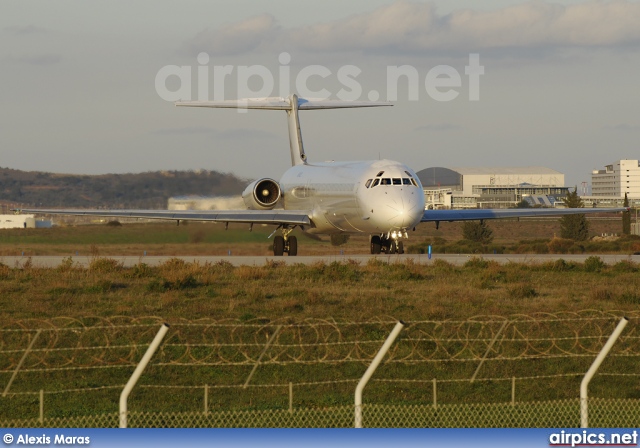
285, 243
382, 244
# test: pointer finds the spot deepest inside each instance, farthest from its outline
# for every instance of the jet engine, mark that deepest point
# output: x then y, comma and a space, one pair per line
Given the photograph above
262, 194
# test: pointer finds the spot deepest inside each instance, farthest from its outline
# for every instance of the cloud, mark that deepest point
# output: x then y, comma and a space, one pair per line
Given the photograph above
599, 23
246, 134
25, 30
417, 27
438, 127
39, 60
239, 133
187, 130
624, 127
245, 36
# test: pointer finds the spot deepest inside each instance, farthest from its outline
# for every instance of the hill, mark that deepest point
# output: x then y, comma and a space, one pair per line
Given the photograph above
141, 190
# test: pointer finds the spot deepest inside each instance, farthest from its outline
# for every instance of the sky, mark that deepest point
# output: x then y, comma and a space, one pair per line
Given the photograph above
85, 86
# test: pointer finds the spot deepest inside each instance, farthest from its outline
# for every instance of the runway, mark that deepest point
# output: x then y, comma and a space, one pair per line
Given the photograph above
47, 261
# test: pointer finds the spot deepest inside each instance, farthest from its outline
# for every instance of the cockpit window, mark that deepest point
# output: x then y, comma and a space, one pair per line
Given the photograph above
413, 181
380, 174
391, 181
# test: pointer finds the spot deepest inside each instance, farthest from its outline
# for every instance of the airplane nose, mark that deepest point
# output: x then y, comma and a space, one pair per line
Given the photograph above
404, 212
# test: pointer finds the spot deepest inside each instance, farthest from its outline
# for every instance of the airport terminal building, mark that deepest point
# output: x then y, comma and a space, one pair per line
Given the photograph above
494, 187
609, 185
617, 179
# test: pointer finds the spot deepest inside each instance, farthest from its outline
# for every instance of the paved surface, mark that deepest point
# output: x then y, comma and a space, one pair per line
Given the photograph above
54, 261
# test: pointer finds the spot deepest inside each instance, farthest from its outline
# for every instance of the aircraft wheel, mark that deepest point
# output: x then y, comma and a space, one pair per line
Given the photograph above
376, 245
400, 247
392, 247
293, 246
278, 246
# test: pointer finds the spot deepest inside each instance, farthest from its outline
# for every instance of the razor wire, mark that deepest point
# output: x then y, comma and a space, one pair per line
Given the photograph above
119, 341
89, 346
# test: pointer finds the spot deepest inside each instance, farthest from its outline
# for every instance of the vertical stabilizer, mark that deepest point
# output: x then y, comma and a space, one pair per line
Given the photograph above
291, 105
298, 157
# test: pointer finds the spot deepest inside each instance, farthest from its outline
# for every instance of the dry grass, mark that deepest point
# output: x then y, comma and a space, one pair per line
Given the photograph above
212, 239
346, 291
349, 291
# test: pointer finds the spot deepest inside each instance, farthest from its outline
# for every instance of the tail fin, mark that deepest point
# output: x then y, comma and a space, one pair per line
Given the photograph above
290, 104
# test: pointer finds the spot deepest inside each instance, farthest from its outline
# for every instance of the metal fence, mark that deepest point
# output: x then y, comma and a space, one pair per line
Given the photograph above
483, 372
560, 413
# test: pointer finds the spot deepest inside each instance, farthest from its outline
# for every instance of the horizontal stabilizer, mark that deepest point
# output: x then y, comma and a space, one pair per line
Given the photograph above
278, 103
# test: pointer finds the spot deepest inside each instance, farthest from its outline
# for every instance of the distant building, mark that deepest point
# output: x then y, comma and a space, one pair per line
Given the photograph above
495, 187
22, 222
193, 202
607, 201
617, 179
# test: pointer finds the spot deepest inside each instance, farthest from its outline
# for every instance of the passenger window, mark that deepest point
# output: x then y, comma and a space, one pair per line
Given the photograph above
397, 181
375, 183
406, 181
368, 183
386, 181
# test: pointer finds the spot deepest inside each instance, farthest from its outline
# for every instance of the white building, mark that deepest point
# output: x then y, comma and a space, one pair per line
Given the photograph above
493, 187
22, 222
206, 203
474, 179
617, 179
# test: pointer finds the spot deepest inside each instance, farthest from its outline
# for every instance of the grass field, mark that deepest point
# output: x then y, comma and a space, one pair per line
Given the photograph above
528, 236
178, 292
339, 290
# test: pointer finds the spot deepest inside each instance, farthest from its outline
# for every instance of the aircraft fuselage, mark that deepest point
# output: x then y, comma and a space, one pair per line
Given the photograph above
371, 197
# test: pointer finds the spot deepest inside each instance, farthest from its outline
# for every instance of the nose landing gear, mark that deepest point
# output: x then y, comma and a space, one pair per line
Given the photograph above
387, 244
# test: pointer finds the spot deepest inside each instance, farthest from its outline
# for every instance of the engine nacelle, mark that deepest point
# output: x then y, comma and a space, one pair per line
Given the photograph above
262, 194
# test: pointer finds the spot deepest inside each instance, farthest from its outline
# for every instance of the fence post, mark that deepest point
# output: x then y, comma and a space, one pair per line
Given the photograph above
435, 395
584, 399
136, 373
290, 397
513, 391
19, 366
41, 419
266, 347
372, 368
206, 399
486, 353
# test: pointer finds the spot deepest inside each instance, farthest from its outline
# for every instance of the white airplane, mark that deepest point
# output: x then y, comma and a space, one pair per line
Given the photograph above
381, 198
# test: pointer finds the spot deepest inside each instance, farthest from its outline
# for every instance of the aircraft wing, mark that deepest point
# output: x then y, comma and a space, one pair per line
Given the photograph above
291, 217
476, 214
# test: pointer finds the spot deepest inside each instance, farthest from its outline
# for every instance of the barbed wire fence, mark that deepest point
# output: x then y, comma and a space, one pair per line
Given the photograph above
485, 371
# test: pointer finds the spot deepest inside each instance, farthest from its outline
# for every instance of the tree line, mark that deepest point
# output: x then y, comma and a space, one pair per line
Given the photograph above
132, 190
